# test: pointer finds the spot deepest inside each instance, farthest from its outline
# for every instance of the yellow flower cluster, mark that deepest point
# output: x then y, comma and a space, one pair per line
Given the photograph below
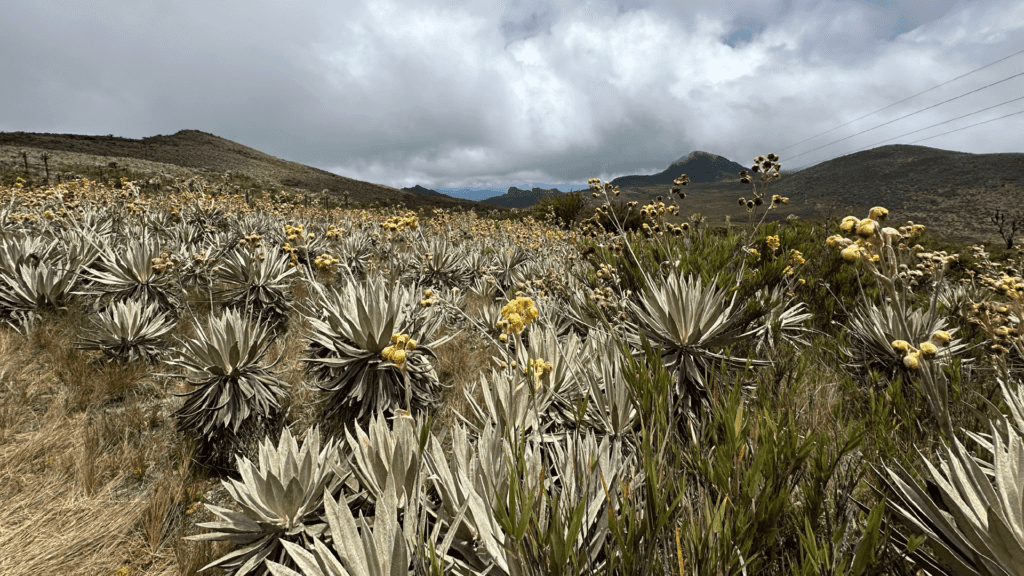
163, 263
927, 350
428, 298
325, 261
539, 368
252, 240
773, 242
334, 232
294, 233
796, 257
605, 271
1010, 286
517, 314
292, 253
871, 237
911, 230
396, 223
400, 344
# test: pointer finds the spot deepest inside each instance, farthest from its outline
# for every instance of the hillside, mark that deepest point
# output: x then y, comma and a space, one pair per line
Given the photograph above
191, 152
519, 198
953, 191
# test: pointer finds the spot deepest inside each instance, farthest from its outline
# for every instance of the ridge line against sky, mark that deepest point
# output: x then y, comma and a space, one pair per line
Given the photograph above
524, 93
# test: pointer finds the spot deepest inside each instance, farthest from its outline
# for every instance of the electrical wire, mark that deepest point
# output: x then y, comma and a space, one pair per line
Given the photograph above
904, 100
946, 122
908, 115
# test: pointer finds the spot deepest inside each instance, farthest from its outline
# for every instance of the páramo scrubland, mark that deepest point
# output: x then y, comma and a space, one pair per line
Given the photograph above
201, 381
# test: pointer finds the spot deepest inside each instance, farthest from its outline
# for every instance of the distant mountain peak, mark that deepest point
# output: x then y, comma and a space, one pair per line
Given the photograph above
421, 190
695, 155
698, 165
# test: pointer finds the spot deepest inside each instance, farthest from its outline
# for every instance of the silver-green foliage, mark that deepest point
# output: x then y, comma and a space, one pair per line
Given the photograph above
983, 531
128, 331
223, 363
380, 455
691, 322
346, 341
281, 502
31, 287
257, 285
874, 328
358, 549
129, 274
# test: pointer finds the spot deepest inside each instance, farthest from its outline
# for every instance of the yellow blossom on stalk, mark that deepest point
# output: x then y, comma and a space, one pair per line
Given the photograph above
518, 313
539, 368
901, 346
851, 252
866, 228
849, 223
834, 240
890, 233
878, 213
773, 242
752, 251
928, 350
941, 338
912, 360
396, 353
796, 257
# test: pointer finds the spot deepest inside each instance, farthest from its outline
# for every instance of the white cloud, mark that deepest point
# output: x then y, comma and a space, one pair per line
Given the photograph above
459, 94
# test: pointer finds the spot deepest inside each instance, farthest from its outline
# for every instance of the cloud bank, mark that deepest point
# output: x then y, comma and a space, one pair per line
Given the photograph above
493, 94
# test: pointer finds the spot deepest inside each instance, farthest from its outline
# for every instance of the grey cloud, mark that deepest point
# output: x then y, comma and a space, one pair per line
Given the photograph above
501, 93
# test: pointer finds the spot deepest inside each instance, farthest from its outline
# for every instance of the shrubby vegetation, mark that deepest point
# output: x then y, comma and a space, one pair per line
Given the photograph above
390, 392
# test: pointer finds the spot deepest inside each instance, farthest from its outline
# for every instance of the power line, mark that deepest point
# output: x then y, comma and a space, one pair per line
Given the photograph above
902, 101
951, 131
908, 115
965, 127
941, 123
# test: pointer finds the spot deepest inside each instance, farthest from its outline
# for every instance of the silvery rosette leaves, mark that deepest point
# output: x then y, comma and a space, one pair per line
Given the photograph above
349, 334
128, 331
32, 286
380, 455
281, 500
975, 523
256, 285
129, 274
469, 482
441, 265
874, 328
610, 409
222, 363
691, 322
17, 249
358, 549
785, 321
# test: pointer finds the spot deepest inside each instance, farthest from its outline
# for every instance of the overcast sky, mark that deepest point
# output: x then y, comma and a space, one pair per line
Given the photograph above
492, 94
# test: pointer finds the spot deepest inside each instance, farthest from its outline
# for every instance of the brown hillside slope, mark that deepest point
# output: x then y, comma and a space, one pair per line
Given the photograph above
955, 192
191, 152
952, 192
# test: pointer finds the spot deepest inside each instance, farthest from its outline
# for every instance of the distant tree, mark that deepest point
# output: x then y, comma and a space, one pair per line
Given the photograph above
1008, 225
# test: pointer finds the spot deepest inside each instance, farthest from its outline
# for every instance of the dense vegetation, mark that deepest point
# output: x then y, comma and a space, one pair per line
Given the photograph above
264, 387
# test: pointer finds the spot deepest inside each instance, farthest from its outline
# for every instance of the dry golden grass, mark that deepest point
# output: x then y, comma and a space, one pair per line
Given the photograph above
94, 479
